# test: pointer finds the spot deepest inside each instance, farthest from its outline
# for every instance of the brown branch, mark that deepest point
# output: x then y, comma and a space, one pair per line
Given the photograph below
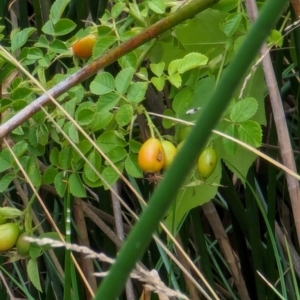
108, 58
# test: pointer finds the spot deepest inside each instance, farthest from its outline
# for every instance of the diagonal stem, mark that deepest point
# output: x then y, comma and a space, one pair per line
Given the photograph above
108, 58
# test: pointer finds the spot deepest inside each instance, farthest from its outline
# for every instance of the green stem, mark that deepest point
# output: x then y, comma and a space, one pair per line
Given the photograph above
150, 124
141, 234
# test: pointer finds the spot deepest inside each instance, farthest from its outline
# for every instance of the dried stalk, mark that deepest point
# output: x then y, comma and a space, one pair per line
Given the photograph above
220, 234
280, 122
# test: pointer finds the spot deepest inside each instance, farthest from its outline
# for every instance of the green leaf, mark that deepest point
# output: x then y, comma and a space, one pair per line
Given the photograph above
230, 146
110, 140
85, 114
103, 84
168, 123
48, 28
157, 6
175, 80
124, 115
33, 172
158, 82
117, 9
158, 69
132, 166
84, 146
110, 175
101, 120
20, 148
232, 23
95, 159
60, 183
190, 61
5, 181
57, 10
188, 198
10, 212
73, 134
4, 165
275, 38
76, 187
35, 53
20, 38
63, 27
107, 102
116, 154
65, 157
250, 133
103, 44
49, 175
33, 274
243, 110
134, 146
128, 60
123, 80
136, 92
182, 100
58, 46
54, 156
173, 66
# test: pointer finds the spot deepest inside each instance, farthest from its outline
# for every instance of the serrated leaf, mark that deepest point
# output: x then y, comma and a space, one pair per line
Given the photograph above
73, 134
95, 159
175, 80
110, 140
20, 148
54, 156
158, 69
230, 146
5, 181
90, 183
134, 146
123, 80
103, 44
173, 66
107, 102
158, 82
157, 6
33, 172
136, 92
132, 167
49, 175
232, 23
243, 110
85, 116
4, 165
110, 175
60, 183
190, 61
63, 27
117, 9
101, 120
250, 133
57, 10
20, 38
33, 274
104, 83
76, 187
65, 158
124, 115
116, 154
